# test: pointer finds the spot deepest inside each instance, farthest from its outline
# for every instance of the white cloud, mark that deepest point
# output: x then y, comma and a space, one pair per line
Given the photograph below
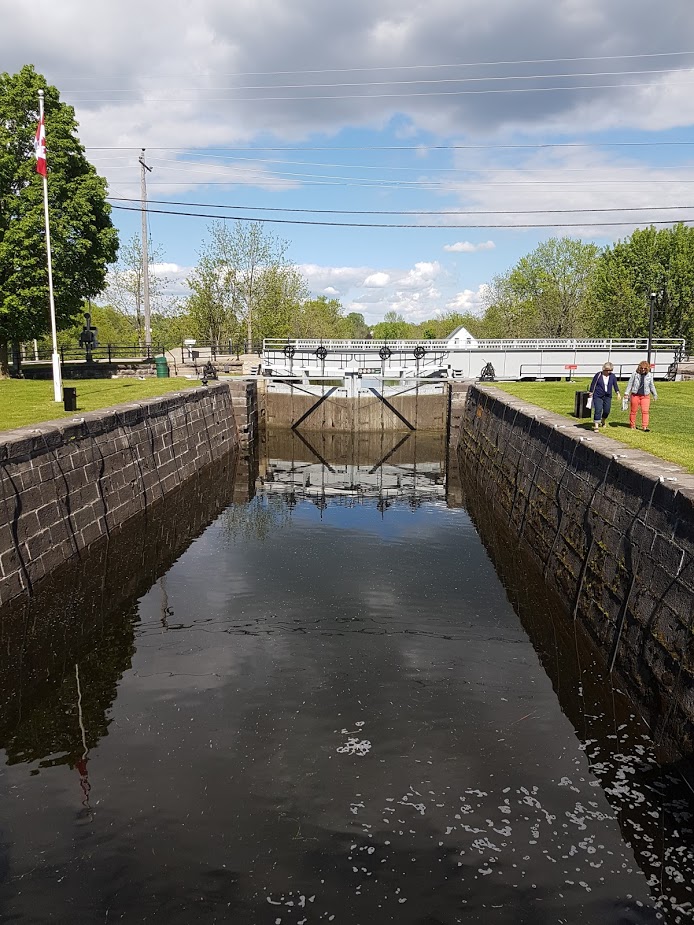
139, 76
467, 247
377, 280
468, 301
545, 186
339, 279
219, 78
420, 275
416, 292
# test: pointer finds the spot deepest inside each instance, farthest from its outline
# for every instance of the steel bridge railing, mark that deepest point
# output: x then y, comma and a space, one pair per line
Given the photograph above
279, 344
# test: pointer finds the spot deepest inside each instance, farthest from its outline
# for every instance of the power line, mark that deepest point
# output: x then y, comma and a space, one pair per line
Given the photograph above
382, 83
240, 162
405, 67
418, 147
451, 187
234, 171
218, 205
371, 96
309, 179
292, 221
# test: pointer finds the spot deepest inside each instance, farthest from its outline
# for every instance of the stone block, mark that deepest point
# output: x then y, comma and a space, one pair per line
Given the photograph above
650, 575
670, 555
59, 481
672, 634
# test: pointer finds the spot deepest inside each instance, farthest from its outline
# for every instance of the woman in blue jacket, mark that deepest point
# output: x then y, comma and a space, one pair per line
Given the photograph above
601, 389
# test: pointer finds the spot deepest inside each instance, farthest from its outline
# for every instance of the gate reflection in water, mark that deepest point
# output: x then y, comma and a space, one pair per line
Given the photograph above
326, 709
349, 468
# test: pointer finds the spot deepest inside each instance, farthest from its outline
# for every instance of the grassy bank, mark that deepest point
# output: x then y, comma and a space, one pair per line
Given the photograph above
27, 401
672, 417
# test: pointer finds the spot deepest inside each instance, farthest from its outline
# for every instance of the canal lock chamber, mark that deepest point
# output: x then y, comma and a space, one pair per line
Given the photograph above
335, 686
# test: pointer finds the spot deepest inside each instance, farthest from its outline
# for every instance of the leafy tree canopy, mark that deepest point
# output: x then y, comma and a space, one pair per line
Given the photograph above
650, 260
546, 294
83, 238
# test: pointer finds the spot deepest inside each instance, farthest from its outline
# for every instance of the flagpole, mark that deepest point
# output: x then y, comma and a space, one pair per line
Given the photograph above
57, 379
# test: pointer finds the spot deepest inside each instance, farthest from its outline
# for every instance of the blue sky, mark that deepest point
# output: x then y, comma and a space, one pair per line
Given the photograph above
484, 107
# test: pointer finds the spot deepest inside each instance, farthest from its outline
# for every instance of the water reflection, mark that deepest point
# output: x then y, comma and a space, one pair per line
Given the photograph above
63, 652
314, 714
351, 468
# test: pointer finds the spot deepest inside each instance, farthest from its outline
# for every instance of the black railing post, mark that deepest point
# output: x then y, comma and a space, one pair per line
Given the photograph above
108, 347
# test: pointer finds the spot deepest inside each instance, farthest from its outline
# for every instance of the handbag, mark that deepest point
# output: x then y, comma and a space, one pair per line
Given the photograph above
625, 402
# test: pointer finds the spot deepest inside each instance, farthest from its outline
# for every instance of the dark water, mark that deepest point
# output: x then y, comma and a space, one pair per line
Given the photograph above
329, 707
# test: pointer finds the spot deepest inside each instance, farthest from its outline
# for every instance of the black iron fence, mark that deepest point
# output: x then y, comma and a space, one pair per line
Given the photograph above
213, 349
102, 354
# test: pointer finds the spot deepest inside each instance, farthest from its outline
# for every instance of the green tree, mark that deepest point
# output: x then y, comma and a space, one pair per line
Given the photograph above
212, 305
358, 328
321, 317
247, 251
242, 282
649, 260
126, 284
112, 325
393, 327
281, 292
83, 238
507, 313
171, 326
547, 294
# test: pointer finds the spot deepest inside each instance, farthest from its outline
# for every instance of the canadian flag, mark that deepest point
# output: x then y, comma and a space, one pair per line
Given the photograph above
40, 148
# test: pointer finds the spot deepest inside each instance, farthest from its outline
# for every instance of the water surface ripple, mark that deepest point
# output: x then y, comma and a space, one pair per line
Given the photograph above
328, 709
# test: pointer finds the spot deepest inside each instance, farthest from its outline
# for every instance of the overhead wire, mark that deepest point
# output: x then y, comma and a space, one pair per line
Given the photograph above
239, 162
422, 146
401, 67
374, 96
418, 81
199, 172
216, 205
366, 182
293, 221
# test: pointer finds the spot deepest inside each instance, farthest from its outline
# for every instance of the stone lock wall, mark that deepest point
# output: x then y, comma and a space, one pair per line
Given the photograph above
613, 531
67, 483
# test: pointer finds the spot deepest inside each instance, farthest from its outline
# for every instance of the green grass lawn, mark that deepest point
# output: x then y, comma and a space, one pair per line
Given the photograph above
28, 401
672, 416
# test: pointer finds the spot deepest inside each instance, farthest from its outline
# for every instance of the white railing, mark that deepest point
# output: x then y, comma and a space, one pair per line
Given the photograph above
635, 343
349, 346
301, 345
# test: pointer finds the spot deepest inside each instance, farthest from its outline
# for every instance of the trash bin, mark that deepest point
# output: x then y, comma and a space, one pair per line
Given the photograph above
70, 399
581, 410
162, 367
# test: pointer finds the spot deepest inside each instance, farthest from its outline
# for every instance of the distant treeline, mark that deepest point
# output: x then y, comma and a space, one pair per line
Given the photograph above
243, 288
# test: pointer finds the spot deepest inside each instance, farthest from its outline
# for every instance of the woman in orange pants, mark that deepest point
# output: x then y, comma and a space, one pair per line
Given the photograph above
639, 390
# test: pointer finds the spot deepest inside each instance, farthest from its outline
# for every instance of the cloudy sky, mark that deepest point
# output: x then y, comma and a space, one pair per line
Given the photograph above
467, 115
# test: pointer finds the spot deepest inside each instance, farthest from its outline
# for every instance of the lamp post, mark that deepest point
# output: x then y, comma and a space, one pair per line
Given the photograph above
653, 298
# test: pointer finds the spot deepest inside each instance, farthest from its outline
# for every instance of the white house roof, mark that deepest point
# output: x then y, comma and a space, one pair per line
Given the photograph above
461, 336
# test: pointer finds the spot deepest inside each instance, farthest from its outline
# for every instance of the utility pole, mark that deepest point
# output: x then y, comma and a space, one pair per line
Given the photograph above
145, 254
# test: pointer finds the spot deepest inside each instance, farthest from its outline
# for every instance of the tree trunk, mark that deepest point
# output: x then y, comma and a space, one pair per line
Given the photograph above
4, 360
16, 358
